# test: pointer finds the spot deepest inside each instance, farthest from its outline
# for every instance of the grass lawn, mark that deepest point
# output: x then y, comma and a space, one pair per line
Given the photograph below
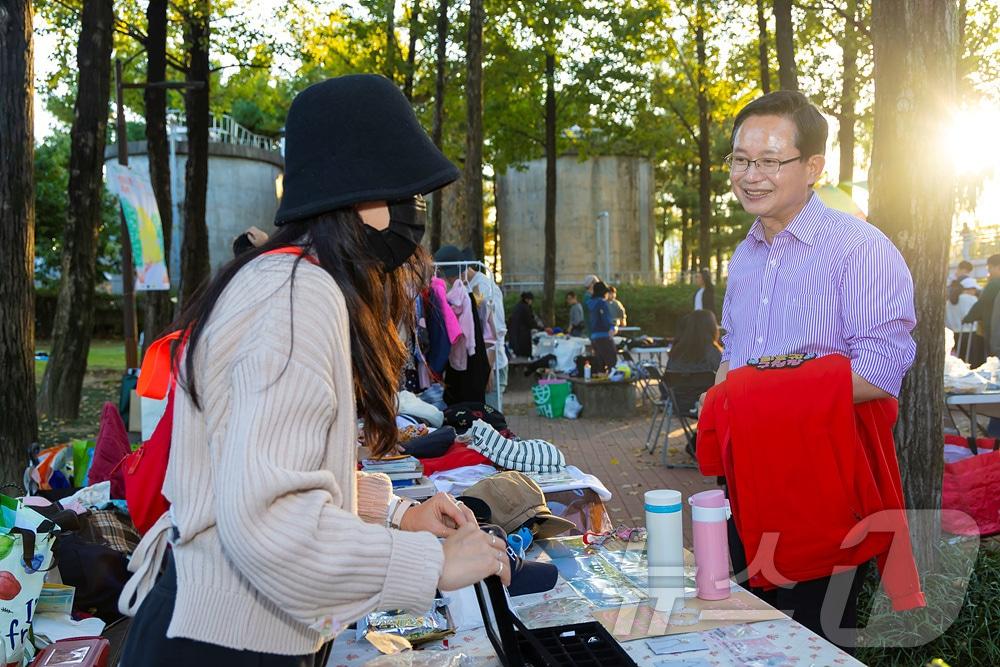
105, 365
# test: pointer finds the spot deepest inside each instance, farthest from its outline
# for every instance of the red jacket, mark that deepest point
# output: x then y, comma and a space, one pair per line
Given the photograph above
813, 478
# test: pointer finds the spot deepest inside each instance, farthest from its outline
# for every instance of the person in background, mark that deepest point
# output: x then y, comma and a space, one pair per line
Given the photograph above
697, 347
984, 310
577, 326
248, 240
602, 329
704, 298
963, 270
522, 322
969, 345
618, 315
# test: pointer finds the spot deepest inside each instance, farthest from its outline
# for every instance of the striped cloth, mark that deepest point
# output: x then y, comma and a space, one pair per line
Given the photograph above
512, 454
828, 283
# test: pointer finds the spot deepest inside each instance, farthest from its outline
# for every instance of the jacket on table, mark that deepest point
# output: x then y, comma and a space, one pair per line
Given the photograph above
813, 477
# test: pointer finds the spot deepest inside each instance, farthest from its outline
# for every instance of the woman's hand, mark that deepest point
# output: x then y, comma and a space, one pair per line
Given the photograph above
439, 514
471, 555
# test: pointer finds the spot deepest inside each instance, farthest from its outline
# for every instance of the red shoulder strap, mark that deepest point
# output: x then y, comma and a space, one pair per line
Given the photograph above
294, 250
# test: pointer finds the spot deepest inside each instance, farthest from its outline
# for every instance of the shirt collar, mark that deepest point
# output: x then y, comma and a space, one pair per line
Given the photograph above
803, 226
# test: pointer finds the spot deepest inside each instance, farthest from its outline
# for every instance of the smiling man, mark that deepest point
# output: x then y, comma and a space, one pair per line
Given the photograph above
808, 281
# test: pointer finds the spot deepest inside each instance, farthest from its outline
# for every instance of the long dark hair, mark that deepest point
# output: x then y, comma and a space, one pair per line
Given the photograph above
699, 333
376, 302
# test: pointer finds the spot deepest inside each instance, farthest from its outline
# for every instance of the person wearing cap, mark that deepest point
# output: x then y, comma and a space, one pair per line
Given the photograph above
274, 542
968, 343
602, 328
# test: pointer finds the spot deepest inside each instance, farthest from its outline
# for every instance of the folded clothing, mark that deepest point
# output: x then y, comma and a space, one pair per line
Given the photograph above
458, 455
462, 416
432, 445
523, 455
409, 404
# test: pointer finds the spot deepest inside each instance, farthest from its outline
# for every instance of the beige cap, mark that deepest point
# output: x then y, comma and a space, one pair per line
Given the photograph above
590, 280
514, 499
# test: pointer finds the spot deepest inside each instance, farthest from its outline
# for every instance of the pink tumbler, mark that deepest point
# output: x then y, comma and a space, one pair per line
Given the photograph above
709, 511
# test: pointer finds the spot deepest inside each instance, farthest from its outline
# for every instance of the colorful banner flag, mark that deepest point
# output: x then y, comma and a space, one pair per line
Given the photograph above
142, 217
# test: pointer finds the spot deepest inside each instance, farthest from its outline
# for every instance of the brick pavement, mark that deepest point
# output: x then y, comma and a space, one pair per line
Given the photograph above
612, 450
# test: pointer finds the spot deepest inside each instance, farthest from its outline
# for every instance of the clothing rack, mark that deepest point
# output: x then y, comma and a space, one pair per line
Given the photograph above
481, 268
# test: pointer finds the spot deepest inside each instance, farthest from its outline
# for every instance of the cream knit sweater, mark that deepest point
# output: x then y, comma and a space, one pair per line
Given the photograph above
270, 551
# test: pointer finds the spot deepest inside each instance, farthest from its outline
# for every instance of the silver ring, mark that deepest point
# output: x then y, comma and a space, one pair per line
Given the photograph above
493, 540
500, 569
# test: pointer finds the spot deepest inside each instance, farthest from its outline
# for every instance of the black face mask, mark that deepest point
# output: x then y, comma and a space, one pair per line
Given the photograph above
396, 243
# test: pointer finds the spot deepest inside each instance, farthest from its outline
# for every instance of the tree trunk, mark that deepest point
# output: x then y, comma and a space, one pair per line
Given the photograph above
411, 54
19, 421
549, 271
685, 240
784, 39
62, 384
718, 255
912, 201
442, 63
765, 67
195, 266
390, 40
704, 147
159, 309
474, 129
848, 98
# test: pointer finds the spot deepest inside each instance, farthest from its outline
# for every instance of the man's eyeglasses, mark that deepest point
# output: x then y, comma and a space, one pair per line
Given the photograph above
766, 165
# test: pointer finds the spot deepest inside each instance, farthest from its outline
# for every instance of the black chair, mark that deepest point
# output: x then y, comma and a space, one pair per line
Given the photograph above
681, 390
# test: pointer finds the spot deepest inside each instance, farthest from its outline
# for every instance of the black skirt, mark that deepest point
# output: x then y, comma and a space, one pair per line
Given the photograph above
147, 644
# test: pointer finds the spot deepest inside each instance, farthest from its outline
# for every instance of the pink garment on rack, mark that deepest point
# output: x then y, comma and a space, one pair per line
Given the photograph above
440, 294
465, 347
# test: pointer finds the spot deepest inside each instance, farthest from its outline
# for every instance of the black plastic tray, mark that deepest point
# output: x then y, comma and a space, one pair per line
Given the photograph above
582, 644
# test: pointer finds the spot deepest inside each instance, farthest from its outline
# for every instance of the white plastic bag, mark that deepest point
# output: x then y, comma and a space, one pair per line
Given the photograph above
572, 408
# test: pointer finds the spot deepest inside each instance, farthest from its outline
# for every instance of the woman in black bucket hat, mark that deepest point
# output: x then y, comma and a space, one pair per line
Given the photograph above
274, 542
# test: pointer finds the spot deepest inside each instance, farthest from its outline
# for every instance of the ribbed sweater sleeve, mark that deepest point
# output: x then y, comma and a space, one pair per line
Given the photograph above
282, 515
374, 494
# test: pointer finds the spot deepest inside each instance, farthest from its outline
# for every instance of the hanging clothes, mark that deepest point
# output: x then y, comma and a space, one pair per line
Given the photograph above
440, 294
437, 345
461, 304
469, 384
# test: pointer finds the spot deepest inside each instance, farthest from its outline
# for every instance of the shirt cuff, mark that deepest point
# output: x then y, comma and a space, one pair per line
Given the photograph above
374, 494
878, 369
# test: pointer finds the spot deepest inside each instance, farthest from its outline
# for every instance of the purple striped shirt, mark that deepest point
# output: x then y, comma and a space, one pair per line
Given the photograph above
827, 283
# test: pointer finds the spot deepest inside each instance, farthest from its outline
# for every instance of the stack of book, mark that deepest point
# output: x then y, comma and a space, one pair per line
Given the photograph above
406, 473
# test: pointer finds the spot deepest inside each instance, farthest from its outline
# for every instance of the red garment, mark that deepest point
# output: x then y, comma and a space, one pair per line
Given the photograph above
969, 501
457, 456
813, 478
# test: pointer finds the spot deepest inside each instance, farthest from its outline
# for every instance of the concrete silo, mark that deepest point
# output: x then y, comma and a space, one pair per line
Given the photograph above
242, 191
604, 221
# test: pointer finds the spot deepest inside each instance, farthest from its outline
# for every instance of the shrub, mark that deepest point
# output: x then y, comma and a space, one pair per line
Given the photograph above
655, 308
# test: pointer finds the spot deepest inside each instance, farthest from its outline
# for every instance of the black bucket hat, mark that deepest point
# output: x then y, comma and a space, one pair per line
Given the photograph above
355, 139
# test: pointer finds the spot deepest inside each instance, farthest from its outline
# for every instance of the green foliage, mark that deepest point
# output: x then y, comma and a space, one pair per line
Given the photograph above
51, 186
973, 638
